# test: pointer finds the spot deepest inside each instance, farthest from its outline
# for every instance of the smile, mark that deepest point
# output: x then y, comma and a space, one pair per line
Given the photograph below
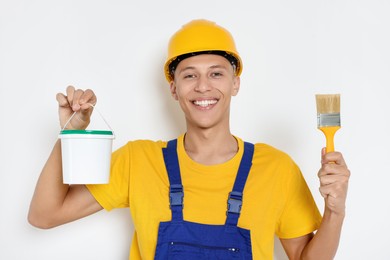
204, 103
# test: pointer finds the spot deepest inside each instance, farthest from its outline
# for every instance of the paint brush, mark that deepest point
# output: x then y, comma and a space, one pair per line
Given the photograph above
328, 117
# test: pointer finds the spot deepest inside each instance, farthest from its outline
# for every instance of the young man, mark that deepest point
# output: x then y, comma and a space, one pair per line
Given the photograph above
208, 194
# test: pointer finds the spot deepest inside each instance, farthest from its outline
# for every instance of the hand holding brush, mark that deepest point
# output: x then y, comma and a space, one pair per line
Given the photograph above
334, 178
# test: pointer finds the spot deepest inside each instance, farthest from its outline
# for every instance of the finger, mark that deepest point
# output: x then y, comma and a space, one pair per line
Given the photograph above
322, 194
62, 100
333, 201
326, 191
334, 179
333, 169
336, 190
87, 99
333, 157
327, 179
76, 99
69, 93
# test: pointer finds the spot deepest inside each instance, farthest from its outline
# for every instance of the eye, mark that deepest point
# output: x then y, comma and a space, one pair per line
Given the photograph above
189, 76
216, 74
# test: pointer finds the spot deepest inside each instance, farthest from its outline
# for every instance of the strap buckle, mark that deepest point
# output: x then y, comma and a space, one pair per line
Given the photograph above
234, 202
176, 195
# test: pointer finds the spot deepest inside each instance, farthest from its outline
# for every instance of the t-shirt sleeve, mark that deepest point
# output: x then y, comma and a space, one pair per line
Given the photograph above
300, 215
115, 194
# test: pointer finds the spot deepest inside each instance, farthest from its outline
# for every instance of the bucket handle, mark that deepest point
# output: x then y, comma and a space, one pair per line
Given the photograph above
74, 113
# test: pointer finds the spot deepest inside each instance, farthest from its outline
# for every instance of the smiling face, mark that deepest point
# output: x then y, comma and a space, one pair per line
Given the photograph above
204, 85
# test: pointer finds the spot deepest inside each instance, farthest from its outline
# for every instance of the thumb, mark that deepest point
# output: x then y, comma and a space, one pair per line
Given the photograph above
323, 152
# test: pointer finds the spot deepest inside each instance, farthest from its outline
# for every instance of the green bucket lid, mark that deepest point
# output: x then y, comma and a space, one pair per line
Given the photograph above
86, 132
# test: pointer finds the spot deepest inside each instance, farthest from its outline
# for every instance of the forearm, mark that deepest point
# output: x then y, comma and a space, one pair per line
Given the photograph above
50, 192
326, 240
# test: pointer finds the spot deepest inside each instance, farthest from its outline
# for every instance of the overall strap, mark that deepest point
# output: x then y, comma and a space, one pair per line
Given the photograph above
235, 197
176, 193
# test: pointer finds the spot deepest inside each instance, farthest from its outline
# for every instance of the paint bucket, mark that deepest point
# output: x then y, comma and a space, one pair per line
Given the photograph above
86, 155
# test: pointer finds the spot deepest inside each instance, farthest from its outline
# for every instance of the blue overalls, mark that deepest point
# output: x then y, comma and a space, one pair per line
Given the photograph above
184, 240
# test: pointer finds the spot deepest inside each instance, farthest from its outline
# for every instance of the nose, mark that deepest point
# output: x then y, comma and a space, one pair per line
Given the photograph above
203, 85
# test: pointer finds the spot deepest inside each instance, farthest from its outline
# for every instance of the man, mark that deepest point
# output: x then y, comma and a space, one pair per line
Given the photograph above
208, 194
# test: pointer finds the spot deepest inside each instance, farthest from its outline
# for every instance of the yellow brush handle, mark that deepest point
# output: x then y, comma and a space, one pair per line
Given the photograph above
329, 132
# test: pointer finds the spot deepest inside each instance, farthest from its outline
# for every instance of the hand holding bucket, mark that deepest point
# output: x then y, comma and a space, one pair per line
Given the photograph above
86, 154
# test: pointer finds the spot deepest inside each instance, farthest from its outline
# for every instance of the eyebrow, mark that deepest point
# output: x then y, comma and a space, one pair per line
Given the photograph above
217, 66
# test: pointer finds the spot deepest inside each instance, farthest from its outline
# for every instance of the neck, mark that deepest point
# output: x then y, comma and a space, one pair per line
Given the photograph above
209, 146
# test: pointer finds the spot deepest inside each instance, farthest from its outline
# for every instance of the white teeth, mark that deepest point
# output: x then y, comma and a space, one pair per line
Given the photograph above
205, 103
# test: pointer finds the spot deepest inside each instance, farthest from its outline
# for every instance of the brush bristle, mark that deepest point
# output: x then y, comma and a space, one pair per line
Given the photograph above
328, 103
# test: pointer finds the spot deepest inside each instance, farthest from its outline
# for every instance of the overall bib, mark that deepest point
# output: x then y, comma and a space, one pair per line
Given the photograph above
184, 240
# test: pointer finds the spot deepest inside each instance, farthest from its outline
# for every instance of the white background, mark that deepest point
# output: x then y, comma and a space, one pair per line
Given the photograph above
291, 51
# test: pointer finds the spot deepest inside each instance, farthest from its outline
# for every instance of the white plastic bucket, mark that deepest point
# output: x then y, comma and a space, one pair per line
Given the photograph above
86, 156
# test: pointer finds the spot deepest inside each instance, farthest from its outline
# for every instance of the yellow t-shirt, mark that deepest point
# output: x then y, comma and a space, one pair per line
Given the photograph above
276, 199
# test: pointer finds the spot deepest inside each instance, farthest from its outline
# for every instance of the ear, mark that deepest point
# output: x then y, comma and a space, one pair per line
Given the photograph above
172, 87
236, 86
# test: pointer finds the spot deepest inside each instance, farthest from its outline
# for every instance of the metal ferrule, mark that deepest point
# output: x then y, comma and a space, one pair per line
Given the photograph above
332, 119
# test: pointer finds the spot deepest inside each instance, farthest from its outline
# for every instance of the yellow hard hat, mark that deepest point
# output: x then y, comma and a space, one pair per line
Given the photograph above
200, 36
